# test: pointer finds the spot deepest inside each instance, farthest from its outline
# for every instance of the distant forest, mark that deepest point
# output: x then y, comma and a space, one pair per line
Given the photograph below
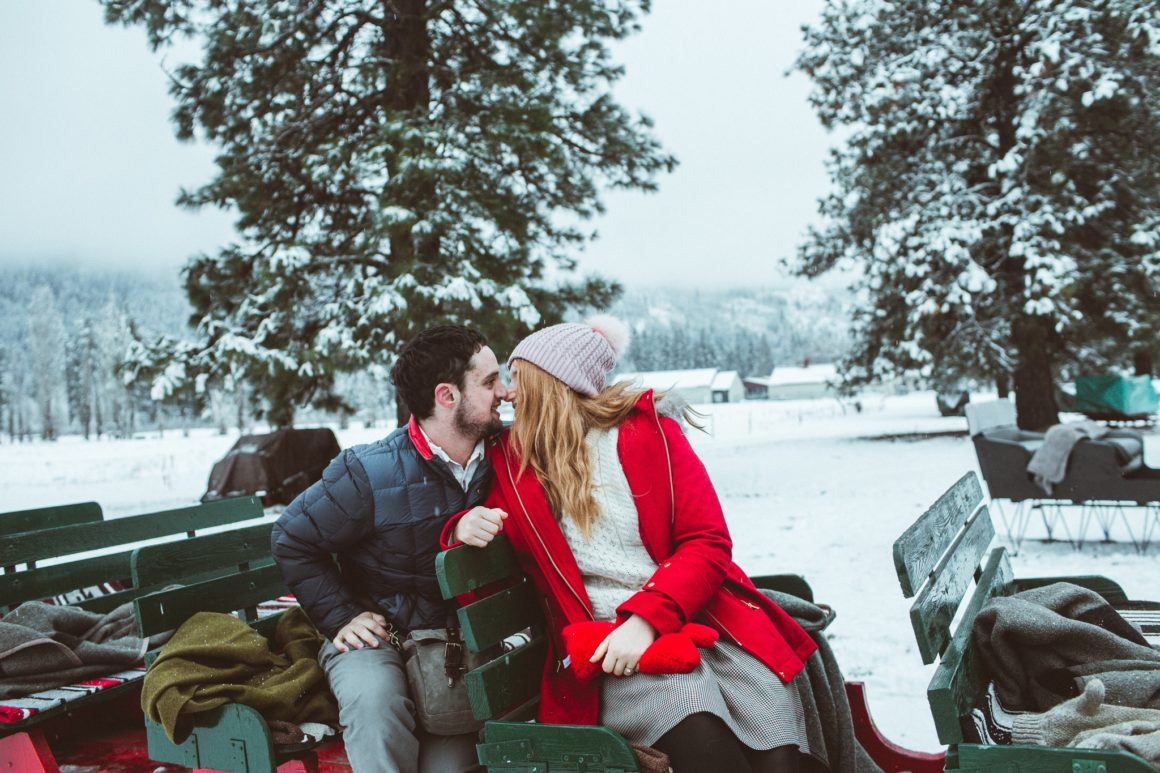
64, 331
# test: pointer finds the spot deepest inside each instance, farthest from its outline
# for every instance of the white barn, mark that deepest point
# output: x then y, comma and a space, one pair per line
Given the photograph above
696, 386
789, 382
728, 387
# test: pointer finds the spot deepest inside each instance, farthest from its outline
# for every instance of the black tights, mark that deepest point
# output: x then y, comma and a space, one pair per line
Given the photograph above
703, 743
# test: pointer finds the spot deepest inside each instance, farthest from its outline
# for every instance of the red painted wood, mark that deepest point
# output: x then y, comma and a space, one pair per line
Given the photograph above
891, 757
27, 753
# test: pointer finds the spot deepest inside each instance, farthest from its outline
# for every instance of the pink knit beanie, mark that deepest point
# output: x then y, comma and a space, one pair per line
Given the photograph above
579, 354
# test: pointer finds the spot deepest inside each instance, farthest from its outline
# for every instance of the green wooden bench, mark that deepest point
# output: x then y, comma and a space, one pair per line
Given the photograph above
937, 559
25, 551
27, 720
239, 576
504, 692
40, 518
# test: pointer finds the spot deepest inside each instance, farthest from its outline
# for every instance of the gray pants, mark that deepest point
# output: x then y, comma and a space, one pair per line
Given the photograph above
378, 717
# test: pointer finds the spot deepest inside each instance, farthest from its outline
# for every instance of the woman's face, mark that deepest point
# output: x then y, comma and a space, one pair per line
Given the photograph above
513, 384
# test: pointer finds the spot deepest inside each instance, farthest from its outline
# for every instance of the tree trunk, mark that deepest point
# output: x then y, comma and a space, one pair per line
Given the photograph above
1142, 363
1035, 406
1003, 385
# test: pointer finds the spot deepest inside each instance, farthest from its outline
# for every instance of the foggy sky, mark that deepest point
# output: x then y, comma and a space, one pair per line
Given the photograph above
90, 169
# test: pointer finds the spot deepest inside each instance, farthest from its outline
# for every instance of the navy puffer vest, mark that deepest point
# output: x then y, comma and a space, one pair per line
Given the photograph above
379, 509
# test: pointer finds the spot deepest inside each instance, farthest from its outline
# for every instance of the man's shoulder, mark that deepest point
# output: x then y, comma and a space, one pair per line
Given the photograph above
384, 453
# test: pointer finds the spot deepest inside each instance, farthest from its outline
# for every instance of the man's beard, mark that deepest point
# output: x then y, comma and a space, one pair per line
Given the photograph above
476, 428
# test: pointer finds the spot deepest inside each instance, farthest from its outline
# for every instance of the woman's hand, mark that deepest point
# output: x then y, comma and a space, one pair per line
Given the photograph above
479, 526
621, 649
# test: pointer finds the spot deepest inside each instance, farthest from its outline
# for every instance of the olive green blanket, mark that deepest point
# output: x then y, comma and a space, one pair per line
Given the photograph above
214, 659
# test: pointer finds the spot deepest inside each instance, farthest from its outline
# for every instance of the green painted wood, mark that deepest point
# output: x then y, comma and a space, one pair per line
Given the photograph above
960, 679
165, 610
1109, 589
157, 564
935, 607
53, 517
793, 584
43, 582
509, 680
1040, 759
919, 548
68, 540
463, 569
489, 621
525, 713
231, 738
557, 747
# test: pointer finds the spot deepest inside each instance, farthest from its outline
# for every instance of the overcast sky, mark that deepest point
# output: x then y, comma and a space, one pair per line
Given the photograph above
89, 167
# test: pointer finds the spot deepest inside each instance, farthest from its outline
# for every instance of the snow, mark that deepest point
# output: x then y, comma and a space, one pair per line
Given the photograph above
725, 379
820, 373
671, 379
808, 486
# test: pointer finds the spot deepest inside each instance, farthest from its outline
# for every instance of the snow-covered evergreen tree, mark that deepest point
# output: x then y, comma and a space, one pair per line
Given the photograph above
46, 362
394, 164
997, 183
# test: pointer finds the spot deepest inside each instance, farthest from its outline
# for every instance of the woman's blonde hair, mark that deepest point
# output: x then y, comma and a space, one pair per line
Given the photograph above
548, 436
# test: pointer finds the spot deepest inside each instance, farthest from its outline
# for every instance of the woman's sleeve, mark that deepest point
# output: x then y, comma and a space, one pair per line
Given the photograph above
686, 582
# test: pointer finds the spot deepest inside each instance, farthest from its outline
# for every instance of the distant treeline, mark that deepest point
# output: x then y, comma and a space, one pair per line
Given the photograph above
64, 332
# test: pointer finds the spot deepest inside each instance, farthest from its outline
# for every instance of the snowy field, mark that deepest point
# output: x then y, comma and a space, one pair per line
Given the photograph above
808, 486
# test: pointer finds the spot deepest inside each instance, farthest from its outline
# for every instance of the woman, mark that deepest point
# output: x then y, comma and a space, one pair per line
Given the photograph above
614, 518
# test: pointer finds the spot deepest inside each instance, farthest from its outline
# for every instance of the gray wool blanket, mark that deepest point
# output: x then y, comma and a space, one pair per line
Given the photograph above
1049, 464
43, 646
829, 723
1043, 645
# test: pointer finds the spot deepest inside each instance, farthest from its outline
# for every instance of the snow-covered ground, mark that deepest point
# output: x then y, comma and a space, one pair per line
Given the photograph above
808, 486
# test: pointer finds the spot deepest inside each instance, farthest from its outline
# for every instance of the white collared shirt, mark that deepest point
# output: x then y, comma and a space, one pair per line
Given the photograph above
462, 474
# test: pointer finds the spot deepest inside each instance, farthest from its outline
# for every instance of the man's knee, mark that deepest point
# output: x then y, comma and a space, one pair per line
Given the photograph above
371, 688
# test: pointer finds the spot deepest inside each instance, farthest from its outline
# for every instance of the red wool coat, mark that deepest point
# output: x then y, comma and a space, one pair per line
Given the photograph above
682, 528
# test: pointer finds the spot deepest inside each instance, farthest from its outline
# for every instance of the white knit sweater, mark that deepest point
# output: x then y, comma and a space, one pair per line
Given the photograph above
613, 560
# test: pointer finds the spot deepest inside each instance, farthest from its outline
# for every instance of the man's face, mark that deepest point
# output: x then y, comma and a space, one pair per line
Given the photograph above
477, 412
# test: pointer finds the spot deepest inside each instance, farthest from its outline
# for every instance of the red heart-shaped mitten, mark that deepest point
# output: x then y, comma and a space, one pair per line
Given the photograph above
581, 640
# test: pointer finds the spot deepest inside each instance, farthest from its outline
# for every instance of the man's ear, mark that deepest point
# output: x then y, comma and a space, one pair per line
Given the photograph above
446, 395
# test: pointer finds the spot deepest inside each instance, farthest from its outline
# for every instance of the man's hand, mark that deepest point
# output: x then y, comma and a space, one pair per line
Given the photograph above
479, 526
621, 649
366, 630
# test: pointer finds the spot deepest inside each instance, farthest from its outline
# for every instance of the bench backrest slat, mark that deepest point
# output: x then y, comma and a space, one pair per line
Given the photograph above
68, 540
919, 548
167, 609
984, 416
489, 621
507, 681
937, 602
158, 564
959, 678
49, 517
464, 569
48, 581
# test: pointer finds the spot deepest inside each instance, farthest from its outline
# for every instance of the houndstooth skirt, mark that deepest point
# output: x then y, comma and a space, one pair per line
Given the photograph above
762, 711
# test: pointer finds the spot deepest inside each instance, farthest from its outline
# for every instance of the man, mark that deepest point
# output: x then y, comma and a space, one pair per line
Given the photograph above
379, 509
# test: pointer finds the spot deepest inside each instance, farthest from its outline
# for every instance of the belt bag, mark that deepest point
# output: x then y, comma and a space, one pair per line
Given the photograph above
436, 661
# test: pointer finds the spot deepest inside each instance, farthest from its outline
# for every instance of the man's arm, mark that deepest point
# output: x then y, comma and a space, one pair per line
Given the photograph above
334, 514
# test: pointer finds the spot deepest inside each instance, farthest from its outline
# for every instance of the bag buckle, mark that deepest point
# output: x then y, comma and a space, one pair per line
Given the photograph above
453, 657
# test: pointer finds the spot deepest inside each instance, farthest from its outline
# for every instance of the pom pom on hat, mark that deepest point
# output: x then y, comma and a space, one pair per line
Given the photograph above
614, 331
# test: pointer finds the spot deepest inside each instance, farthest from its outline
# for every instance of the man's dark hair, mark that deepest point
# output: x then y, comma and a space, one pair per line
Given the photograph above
437, 355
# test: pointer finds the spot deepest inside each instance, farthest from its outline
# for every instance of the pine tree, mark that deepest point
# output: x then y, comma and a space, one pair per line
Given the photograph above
998, 185
394, 164
46, 359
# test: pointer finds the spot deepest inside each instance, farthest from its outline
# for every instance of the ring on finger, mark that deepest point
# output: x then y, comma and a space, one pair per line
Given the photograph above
629, 671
